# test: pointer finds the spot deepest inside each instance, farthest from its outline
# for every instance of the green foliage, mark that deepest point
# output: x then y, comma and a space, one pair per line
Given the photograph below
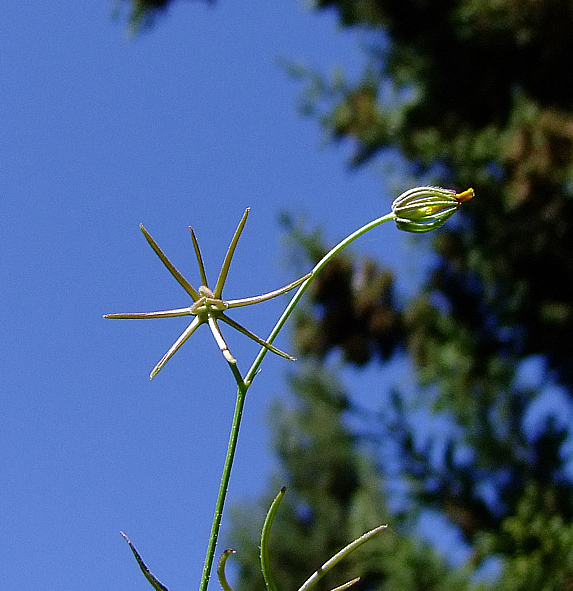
334, 496
541, 542
479, 94
471, 93
142, 13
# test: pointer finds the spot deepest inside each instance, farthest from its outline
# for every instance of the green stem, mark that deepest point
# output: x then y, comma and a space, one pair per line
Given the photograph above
244, 384
300, 291
231, 447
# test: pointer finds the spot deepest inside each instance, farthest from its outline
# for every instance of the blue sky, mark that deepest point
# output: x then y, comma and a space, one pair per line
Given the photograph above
189, 123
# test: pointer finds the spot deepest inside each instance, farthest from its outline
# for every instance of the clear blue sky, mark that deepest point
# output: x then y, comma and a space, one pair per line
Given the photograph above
187, 124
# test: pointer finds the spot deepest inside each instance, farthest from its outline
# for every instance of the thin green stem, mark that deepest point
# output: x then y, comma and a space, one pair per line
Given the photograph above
317, 575
244, 384
231, 448
300, 291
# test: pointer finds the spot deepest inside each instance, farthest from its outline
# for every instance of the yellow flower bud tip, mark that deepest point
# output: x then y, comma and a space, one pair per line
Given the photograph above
465, 196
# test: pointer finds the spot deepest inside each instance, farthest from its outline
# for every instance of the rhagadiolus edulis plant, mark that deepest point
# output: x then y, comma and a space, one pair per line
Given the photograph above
418, 210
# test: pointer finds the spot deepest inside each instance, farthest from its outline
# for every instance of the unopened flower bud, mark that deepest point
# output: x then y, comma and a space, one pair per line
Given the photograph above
425, 208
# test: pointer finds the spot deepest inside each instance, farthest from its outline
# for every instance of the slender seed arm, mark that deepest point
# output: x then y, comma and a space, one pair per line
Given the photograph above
176, 346
255, 338
170, 266
267, 296
221, 340
161, 314
199, 258
218, 291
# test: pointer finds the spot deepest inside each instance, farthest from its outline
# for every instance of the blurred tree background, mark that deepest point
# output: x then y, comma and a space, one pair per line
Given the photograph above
469, 93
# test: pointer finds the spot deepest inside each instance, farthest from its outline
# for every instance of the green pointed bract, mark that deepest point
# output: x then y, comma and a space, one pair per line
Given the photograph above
155, 583
208, 306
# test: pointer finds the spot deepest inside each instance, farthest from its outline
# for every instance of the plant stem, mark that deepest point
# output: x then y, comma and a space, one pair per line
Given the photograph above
303, 287
231, 447
244, 384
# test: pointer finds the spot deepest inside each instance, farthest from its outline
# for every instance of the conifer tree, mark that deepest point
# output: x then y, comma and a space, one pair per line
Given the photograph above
470, 93
334, 496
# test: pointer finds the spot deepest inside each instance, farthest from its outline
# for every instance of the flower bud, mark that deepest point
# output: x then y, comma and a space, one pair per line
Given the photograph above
425, 208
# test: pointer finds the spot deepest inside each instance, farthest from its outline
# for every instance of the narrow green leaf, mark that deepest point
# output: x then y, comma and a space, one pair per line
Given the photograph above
155, 583
314, 578
265, 538
346, 585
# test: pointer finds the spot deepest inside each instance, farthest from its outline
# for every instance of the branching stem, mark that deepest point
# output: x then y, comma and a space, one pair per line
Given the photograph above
244, 384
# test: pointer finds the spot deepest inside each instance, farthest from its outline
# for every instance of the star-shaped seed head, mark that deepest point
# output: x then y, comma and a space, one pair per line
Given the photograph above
208, 305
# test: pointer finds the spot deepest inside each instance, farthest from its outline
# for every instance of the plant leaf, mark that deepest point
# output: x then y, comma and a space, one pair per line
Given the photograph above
265, 537
155, 583
316, 576
346, 585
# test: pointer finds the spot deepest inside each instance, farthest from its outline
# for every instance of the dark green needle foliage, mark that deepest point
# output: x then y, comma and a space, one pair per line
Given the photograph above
334, 496
469, 93
142, 13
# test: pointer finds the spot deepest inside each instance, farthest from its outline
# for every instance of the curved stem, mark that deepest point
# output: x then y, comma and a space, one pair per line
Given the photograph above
232, 446
300, 291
